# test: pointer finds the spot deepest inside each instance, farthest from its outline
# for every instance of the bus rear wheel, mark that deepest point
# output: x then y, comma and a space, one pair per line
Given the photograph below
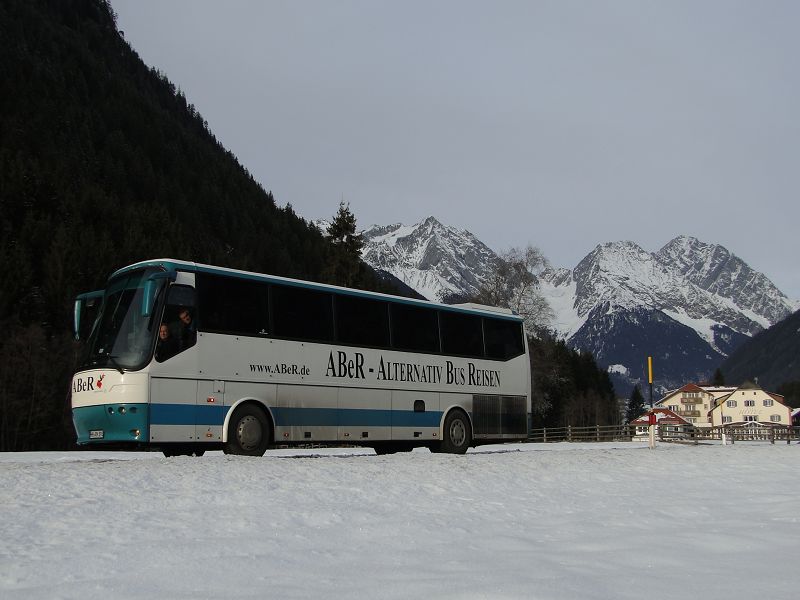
457, 433
248, 432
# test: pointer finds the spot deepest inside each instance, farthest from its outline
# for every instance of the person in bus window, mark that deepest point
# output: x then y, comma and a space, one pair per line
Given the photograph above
187, 332
167, 345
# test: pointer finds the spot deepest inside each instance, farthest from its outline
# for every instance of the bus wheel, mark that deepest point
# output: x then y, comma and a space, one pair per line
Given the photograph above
248, 432
457, 433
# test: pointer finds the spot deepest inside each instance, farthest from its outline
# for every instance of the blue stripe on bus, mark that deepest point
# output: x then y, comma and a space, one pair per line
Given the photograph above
190, 414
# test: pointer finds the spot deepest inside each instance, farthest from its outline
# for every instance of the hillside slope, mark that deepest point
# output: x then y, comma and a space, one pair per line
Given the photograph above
104, 162
771, 357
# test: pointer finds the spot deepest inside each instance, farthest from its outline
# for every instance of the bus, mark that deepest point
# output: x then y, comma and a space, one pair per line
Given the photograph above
183, 357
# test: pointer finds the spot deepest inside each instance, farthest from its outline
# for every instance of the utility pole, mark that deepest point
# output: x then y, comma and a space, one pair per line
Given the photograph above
652, 428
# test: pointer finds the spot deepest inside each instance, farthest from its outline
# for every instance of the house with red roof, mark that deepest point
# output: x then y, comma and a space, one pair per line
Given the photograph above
664, 417
693, 402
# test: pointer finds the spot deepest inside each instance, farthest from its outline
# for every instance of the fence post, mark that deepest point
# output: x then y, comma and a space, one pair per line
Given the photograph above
569, 433
597, 430
544, 434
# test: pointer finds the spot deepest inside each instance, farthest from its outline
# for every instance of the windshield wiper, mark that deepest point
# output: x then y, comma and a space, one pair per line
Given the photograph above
115, 363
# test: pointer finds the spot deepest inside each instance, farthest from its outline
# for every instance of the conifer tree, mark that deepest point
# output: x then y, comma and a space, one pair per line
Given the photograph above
719, 378
636, 406
346, 247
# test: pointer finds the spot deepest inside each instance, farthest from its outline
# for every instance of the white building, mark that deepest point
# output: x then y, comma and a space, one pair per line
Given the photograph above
750, 404
711, 406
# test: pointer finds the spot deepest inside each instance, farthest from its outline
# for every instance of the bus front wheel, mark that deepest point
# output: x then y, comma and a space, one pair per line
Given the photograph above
457, 433
248, 432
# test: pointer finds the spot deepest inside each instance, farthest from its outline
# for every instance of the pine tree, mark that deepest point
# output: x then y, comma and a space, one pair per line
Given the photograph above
636, 406
346, 247
719, 378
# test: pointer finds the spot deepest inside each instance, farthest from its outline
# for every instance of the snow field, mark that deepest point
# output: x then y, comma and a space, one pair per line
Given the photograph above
542, 521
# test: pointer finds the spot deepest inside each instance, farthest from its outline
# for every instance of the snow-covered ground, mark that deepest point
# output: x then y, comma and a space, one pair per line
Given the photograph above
583, 521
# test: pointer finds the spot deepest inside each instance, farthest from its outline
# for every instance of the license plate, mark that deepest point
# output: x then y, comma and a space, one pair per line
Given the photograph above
96, 434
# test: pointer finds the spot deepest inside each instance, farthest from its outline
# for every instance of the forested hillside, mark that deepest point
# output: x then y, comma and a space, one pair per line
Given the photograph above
772, 357
104, 162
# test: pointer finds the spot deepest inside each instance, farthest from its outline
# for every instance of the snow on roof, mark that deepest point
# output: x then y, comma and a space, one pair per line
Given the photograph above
662, 414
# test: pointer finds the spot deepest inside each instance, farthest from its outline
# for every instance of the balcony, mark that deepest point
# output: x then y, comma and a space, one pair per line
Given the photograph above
689, 413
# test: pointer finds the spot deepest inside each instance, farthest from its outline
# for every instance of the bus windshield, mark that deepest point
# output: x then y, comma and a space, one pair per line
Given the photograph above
123, 337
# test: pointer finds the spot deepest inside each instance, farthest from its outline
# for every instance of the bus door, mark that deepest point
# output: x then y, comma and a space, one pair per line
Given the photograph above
415, 415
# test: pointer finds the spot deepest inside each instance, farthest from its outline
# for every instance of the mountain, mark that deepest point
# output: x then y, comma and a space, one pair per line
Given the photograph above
772, 357
689, 305
436, 260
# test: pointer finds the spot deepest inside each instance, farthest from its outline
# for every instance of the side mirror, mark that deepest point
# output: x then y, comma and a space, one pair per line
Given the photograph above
151, 287
83, 302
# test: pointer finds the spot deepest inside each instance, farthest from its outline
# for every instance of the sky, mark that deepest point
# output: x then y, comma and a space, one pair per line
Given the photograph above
550, 521
562, 124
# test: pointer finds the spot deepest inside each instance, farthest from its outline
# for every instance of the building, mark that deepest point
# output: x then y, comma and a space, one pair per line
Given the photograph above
693, 402
707, 406
750, 404
665, 418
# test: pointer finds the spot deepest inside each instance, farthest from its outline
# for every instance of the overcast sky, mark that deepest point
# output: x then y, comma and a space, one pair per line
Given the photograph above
562, 124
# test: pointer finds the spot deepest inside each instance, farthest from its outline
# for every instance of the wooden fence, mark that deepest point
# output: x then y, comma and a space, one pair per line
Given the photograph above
733, 434
593, 433
627, 433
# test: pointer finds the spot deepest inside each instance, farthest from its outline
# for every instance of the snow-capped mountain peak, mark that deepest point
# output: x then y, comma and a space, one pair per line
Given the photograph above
437, 260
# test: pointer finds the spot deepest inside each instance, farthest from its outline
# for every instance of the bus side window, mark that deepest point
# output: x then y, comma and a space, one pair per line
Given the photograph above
461, 334
180, 321
503, 338
233, 306
362, 321
415, 328
302, 314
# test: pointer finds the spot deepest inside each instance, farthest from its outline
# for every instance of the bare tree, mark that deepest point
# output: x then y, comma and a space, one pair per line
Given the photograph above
512, 283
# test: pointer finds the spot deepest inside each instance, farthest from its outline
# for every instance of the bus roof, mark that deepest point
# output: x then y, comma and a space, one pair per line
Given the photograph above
171, 264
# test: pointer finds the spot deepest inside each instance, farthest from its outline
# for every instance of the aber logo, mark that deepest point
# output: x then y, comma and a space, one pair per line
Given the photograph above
87, 384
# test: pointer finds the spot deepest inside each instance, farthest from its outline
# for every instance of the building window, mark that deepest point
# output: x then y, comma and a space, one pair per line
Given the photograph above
727, 419
731, 404
673, 408
749, 402
750, 418
775, 418
768, 402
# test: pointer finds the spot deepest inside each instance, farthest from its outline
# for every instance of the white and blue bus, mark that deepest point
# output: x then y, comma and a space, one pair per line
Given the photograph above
183, 357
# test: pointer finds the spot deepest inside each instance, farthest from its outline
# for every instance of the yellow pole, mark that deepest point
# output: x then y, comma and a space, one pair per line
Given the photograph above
652, 429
